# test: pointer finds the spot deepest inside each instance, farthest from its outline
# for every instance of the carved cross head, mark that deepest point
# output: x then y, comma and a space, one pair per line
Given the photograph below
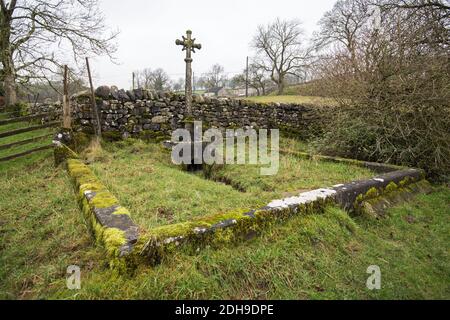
188, 43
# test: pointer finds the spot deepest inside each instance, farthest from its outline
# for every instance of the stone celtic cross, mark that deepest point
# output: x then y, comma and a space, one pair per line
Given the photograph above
189, 46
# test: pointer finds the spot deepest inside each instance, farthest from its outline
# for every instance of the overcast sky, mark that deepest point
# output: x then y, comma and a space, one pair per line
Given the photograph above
149, 28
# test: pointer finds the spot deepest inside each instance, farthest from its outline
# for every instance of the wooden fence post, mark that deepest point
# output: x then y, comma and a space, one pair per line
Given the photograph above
67, 121
94, 103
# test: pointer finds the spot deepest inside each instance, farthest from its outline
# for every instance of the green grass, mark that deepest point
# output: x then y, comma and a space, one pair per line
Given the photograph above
157, 192
323, 256
296, 99
23, 136
299, 89
308, 257
313, 257
295, 145
13, 126
294, 175
4, 115
28, 160
27, 135
41, 227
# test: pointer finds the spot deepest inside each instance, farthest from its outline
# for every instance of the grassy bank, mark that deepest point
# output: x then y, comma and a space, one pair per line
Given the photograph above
296, 99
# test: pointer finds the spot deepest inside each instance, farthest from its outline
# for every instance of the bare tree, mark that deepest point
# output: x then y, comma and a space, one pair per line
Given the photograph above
342, 26
37, 35
257, 78
156, 79
407, 4
179, 84
279, 45
160, 80
237, 81
201, 82
41, 91
394, 107
144, 78
215, 77
435, 12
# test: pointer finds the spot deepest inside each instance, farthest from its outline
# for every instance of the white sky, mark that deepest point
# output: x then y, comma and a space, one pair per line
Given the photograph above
148, 29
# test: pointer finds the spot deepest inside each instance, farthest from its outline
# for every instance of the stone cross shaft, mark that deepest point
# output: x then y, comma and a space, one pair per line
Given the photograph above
189, 46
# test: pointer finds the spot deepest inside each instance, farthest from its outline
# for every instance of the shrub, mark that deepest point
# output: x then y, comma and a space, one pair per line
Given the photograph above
408, 136
392, 84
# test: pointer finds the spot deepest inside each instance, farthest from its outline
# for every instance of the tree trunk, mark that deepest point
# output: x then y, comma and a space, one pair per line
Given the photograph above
10, 89
6, 55
280, 86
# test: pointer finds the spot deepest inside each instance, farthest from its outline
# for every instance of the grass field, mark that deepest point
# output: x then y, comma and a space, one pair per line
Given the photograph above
325, 256
308, 257
293, 99
157, 192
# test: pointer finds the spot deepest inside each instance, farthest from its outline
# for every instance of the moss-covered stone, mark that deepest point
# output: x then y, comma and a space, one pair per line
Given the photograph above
220, 229
374, 204
112, 136
62, 153
150, 135
104, 199
80, 140
109, 222
391, 187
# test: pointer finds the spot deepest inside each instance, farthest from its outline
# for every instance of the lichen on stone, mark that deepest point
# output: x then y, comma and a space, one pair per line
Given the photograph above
101, 208
375, 202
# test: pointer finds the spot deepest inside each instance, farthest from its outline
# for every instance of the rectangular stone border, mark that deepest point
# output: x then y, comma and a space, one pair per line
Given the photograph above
114, 228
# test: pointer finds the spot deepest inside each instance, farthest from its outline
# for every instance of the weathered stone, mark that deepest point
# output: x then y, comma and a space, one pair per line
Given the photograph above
123, 96
103, 92
159, 119
152, 126
114, 94
131, 95
139, 94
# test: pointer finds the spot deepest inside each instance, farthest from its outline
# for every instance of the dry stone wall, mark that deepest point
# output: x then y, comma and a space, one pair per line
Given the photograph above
150, 113
126, 113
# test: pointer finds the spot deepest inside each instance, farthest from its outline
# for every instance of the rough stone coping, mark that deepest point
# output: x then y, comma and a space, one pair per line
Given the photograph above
139, 95
374, 166
242, 224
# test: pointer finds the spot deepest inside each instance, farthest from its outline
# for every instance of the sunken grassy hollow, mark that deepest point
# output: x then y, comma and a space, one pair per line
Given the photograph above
158, 193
